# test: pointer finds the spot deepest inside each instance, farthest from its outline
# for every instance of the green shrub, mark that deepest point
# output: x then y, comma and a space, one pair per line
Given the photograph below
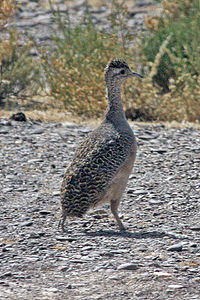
181, 20
169, 53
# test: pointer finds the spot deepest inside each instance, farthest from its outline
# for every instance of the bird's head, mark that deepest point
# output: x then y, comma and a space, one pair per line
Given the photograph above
118, 71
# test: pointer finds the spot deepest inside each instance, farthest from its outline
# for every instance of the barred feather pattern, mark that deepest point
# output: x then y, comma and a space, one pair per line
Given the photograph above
93, 168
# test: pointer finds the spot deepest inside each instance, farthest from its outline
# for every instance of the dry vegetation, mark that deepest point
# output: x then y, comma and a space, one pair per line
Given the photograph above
18, 71
7, 9
171, 52
167, 55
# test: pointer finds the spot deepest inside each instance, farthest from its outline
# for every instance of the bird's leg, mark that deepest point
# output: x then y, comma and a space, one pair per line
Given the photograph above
62, 222
114, 206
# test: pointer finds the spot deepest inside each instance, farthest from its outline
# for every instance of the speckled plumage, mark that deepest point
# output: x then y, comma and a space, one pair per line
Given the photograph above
104, 158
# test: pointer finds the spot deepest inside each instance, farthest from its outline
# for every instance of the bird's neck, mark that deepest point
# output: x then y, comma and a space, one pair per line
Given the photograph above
115, 107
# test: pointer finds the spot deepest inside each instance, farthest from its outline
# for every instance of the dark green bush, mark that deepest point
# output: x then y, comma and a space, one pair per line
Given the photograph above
181, 20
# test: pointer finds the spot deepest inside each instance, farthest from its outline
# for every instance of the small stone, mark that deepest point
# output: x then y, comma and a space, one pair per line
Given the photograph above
4, 131
160, 151
7, 190
35, 160
37, 131
195, 228
34, 235
5, 249
162, 274
113, 277
146, 137
155, 202
175, 247
27, 224
69, 286
137, 192
56, 193
52, 289
119, 251
197, 279
128, 266
175, 286
86, 248
64, 268
20, 117
65, 238
193, 245
8, 274
5, 123
32, 258
85, 130
4, 283
45, 212
61, 238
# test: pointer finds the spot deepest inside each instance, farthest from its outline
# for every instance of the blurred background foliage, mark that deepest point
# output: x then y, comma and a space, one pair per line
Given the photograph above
70, 70
19, 73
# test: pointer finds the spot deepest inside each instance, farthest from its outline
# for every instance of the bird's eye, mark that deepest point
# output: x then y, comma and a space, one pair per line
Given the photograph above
122, 72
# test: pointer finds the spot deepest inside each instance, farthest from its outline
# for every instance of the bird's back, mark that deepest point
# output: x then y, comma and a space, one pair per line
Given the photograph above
95, 164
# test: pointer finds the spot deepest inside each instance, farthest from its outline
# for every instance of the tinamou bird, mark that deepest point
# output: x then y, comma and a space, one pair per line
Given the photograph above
102, 163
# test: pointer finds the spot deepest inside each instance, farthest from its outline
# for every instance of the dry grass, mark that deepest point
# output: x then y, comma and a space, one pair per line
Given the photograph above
7, 9
50, 115
74, 70
93, 3
55, 115
74, 73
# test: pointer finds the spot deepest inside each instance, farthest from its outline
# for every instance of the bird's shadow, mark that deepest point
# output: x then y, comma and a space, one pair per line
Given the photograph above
128, 234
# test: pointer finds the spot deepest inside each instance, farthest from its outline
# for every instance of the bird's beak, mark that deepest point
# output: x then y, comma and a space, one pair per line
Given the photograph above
137, 74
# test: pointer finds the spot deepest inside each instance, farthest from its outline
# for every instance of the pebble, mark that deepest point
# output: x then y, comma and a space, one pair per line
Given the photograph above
128, 266
4, 283
137, 192
4, 131
193, 245
64, 268
29, 223
161, 151
175, 247
37, 131
195, 228
45, 212
38, 255
162, 274
175, 286
31, 258
8, 274
20, 117
52, 289
114, 278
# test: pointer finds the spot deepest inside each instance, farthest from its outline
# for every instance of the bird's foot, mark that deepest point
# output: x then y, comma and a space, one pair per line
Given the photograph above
61, 225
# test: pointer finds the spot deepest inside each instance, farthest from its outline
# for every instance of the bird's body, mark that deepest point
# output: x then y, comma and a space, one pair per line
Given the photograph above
104, 160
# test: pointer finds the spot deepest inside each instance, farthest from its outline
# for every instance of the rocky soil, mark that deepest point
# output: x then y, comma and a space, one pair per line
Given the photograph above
157, 258
159, 255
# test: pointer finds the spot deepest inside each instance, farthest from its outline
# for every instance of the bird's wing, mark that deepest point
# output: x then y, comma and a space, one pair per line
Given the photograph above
94, 165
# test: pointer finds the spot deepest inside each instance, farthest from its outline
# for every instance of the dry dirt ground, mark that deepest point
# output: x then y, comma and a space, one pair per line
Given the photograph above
157, 258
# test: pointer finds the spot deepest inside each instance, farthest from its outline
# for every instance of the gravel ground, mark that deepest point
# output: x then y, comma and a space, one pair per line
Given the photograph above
158, 257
